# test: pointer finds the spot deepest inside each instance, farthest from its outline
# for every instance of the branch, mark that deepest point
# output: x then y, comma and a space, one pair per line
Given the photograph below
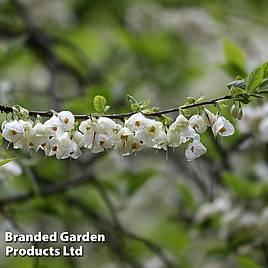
74, 202
9, 109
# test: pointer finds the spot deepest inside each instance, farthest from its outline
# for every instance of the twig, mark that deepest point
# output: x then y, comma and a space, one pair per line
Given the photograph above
154, 248
9, 109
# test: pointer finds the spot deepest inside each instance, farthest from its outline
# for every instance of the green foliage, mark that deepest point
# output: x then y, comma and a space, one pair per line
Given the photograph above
254, 79
235, 59
245, 262
1, 139
100, 104
139, 106
242, 188
265, 69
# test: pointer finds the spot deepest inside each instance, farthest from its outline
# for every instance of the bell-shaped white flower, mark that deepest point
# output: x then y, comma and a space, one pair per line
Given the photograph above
101, 142
61, 146
39, 137
67, 119
10, 170
198, 123
222, 127
136, 122
88, 128
27, 135
54, 126
76, 151
78, 138
209, 117
105, 125
195, 149
161, 140
125, 142
180, 131
150, 133
13, 131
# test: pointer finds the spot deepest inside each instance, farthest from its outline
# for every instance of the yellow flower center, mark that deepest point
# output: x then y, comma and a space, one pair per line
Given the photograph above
66, 120
13, 132
124, 137
222, 130
138, 123
152, 129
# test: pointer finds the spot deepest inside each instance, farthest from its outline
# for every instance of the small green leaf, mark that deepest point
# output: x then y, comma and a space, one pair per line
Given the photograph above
191, 100
237, 84
234, 54
265, 69
255, 79
1, 139
99, 103
131, 99
245, 262
3, 162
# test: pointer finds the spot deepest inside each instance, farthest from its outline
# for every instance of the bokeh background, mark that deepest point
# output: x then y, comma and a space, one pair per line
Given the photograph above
156, 213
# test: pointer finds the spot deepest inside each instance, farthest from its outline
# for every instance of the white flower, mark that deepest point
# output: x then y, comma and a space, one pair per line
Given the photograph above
67, 119
194, 150
161, 141
101, 142
39, 137
76, 151
208, 210
13, 131
251, 118
78, 137
209, 117
198, 123
222, 127
63, 147
126, 143
136, 122
88, 128
105, 125
150, 132
180, 132
27, 135
9, 170
54, 126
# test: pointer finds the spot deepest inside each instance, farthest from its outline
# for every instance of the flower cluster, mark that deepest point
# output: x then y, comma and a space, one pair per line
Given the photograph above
255, 121
63, 137
233, 218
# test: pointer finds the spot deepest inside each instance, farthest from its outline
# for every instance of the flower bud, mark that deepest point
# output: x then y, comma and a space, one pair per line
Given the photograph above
240, 114
234, 111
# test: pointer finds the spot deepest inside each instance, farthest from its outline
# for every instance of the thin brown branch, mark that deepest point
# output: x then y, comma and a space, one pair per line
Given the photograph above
9, 109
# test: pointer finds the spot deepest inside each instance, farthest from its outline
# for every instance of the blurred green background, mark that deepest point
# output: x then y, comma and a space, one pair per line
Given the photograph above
59, 54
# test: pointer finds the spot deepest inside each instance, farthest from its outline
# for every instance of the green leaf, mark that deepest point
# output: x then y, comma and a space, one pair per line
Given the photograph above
99, 103
237, 84
186, 196
265, 69
234, 55
255, 79
1, 139
245, 262
131, 99
3, 162
242, 188
137, 180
